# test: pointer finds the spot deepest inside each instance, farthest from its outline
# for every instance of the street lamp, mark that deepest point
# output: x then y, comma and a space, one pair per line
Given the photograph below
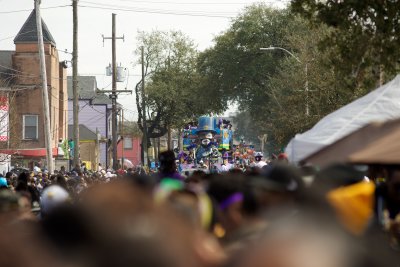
280, 48
298, 60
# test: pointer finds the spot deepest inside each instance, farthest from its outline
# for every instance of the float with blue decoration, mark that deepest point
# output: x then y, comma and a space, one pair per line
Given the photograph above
207, 143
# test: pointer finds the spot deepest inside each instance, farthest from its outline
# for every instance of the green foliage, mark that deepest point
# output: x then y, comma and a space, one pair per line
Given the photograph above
266, 85
340, 49
173, 85
270, 87
366, 34
234, 67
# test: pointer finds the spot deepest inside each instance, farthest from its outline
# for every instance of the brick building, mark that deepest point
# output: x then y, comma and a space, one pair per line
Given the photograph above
21, 71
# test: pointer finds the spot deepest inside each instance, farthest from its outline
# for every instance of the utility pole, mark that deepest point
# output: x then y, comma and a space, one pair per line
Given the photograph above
114, 97
75, 89
45, 97
122, 138
114, 92
144, 142
306, 89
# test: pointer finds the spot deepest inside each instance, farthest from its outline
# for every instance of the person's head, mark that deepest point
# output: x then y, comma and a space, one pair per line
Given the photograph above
143, 181
186, 203
258, 156
23, 177
283, 157
299, 242
157, 233
197, 181
52, 197
61, 181
8, 202
393, 185
335, 176
167, 162
277, 185
233, 202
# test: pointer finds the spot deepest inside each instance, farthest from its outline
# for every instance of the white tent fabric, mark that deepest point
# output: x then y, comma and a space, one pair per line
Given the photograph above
381, 104
128, 163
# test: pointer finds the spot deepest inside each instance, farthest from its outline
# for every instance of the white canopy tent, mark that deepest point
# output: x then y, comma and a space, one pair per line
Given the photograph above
381, 104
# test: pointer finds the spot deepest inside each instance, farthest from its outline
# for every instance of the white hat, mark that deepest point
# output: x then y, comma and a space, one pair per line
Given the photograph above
53, 196
258, 154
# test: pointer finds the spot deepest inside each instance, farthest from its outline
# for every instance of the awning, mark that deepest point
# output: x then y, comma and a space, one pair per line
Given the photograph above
380, 105
34, 152
385, 150
374, 143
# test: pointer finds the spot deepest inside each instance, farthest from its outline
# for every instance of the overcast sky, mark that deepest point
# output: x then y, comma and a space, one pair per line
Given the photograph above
201, 20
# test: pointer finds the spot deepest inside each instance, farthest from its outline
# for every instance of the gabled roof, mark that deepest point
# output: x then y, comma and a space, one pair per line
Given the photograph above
85, 133
87, 90
28, 32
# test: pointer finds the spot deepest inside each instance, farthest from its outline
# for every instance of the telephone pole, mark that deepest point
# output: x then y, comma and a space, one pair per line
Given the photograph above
121, 133
45, 96
113, 94
144, 142
114, 97
75, 89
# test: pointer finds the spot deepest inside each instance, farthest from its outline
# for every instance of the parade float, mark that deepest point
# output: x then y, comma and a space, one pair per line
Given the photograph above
208, 144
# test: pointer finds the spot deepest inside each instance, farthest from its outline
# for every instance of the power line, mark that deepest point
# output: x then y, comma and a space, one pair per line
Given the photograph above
165, 12
131, 111
159, 10
25, 10
25, 74
16, 35
102, 74
185, 3
201, 3
63, 51
8, 68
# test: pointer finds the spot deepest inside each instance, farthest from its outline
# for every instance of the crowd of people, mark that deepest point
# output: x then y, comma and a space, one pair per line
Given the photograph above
273, 214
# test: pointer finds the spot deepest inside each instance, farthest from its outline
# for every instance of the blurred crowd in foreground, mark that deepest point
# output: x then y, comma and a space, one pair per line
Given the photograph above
278, 216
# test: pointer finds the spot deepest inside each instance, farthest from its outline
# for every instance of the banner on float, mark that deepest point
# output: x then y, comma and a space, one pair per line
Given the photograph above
226, 135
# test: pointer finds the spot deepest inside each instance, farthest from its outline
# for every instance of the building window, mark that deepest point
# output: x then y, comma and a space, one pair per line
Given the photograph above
128, 143
30, 127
